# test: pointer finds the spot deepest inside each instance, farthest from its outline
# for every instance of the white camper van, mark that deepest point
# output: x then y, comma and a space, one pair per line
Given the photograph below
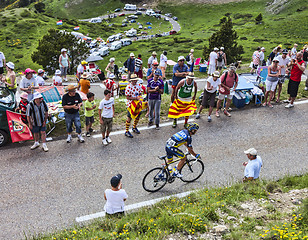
103, 51
130, 7
115, 45
131, 33
96, 20
126, 41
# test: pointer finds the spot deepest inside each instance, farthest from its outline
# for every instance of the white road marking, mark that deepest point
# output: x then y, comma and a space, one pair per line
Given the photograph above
132, 206
300, 102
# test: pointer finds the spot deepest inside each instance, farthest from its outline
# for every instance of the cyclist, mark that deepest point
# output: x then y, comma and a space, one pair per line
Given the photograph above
177, 140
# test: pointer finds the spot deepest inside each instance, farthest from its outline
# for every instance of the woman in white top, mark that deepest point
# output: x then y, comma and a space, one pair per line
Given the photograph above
110, 67
64, 63
163, 63
115, 197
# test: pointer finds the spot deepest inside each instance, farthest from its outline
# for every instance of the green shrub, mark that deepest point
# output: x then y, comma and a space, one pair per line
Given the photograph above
19, 56
25, 14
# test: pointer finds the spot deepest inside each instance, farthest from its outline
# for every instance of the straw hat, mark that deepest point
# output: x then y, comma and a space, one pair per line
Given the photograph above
70, 87
84, 75
10, 65
190, 75
134, 77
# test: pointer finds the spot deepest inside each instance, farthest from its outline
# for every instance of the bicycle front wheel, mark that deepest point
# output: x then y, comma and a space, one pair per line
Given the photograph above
192, 170
155, 179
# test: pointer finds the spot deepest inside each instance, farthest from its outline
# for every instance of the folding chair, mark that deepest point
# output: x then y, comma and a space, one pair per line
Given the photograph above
262, 74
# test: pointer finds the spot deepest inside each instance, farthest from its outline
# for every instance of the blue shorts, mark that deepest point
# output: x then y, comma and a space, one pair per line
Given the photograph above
173, 151
37, 129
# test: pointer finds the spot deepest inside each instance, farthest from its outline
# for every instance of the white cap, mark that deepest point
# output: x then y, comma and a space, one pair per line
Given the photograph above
132, 55
216, 74
192, 50
111, 76
251, 151
37, 95
181, 58
222, 48
10, 65
276, 59
112, 59
40, 71
216, 49
262, 48
63, 50
58, 72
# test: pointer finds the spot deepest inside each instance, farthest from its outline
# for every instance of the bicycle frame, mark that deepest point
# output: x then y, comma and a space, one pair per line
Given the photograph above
173, 161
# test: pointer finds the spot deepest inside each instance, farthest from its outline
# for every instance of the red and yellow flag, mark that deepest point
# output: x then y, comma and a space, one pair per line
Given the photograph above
182, 108
136, 107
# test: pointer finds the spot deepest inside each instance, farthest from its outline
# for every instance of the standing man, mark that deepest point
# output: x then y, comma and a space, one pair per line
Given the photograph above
152, 59
180, 71
297, 69
37, 114
28, 83
262, 61
138, 66
2, 64
255, 60
190, 59
283, 63
152, 70
163, 63
213, 61
131, 64
228, 80
71, 102
253, 166
294, 51
155, 90
81, 67
221, 59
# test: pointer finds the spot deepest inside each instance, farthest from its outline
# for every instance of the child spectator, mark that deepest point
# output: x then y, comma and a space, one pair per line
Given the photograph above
89, 112
115, 197
22, 107
57, 80
110, 84
40, 80
106, 113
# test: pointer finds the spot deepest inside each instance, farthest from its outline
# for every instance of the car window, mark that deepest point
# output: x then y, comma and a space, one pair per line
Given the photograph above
6, 97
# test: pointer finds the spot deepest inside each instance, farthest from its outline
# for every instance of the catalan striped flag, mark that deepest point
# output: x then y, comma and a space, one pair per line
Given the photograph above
76, 28
136, 107
59, 22
182, 108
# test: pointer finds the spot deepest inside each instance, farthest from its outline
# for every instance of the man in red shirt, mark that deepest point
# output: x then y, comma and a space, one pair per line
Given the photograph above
297, 69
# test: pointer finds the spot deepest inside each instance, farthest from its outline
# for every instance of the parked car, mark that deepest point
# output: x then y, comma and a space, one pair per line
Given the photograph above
121, 14
118, 36
96, 20
133, 16
158, 11
111, 38
124, 25
140, 27
149, 12
116, 45
168, 15
172, 32
133, 21
138, 13
117, 10
142, 9
7, 102
175, 18
130, 7
166, 19
158, 35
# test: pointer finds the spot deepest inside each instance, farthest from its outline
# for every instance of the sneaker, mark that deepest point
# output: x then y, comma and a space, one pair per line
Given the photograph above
286, 101
150, 124
198, 116
174, 123
176, 173
80, 139
45, 148
88, 134
289, 105
91, 130
217, 114
306, 88
35, 145
157, 127
227, 113
128, 134
108, 139
104, 141
69, 138
209, 119
135, 130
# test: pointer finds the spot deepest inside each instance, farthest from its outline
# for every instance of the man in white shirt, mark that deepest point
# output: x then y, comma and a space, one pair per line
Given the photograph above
262, 61
284, 60
213, 61
294, 51
152, 59
2, 63
253, 166
28, 83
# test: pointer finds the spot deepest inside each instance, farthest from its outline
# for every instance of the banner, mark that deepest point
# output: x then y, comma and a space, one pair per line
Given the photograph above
136, 107
182, 109
18, 129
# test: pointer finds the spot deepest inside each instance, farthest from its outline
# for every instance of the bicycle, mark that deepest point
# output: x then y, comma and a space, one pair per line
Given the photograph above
157, 178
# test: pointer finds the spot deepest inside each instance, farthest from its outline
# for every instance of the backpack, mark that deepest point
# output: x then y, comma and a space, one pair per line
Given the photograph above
187, 58
226, 75
219, 59
125, 63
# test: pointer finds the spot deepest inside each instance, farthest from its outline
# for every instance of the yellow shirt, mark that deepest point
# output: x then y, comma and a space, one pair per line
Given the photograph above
84, 85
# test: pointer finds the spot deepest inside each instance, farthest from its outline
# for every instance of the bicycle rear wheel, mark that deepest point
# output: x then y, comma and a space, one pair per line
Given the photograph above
192, 170
155, 179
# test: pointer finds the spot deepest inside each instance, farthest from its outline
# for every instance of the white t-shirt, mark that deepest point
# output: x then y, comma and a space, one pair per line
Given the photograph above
212, 83
151, 60
283, 62
80, 68
57, 79
213, 57
40, 81
2, 57
25, 83
163, 61
115, 201
253, 168
106, 107
293, 53
261, 56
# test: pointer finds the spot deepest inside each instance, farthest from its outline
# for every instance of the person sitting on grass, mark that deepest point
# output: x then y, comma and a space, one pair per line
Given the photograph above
253, 166
89, 112
115, 197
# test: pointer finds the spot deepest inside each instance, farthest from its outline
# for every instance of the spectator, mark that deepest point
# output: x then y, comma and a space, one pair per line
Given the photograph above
191, 59
84, 84
40, 80
71, 102
271, 56
209, 94
110, 67
133, 93
180, 71
81, 68
89, 112
110, 84
297, 69
131, 64
163, 64
2, 63
221, 59
229, 81
106, 113
253, 166
305, 58
155, 89
10, 79
115, 197
64, 63
57, 80
37, 114
28, 83
138, 67
255, 60
271, 81
22, 107
294, 51
152, 59
152, 70
262, 61
283, 63
213, 61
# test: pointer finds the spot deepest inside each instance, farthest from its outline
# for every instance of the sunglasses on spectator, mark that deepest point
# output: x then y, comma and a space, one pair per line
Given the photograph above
155, 65
181, 60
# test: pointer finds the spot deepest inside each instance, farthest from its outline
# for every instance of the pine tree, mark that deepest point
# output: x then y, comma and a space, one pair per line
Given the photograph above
225, 37
49, 49
259, 19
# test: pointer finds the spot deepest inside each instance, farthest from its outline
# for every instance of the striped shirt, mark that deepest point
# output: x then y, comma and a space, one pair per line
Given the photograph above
37, 113
138, 62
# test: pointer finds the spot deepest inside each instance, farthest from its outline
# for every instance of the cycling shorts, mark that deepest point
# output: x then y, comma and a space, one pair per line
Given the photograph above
174, 151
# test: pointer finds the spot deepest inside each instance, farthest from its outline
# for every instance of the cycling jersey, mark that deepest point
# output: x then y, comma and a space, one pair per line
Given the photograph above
179, 139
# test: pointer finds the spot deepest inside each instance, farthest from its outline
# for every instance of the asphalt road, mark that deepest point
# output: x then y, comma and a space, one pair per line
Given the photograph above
41, 192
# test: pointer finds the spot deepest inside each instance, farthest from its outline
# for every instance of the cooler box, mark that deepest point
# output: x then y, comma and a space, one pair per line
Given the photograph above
202, 68
239, 99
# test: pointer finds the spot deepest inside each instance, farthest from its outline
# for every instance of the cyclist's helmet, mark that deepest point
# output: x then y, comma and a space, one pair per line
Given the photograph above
192, 126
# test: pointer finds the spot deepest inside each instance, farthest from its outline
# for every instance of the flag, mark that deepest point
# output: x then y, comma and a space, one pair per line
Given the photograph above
136, 107
182, 109
59, 22
76, 28
18, 129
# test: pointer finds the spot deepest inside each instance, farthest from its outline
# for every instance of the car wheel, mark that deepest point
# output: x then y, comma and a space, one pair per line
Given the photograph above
3, 138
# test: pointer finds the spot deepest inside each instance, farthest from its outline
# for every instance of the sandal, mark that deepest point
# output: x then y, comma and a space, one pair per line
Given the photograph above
270, 105
217, 114
227, 114
264, 104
